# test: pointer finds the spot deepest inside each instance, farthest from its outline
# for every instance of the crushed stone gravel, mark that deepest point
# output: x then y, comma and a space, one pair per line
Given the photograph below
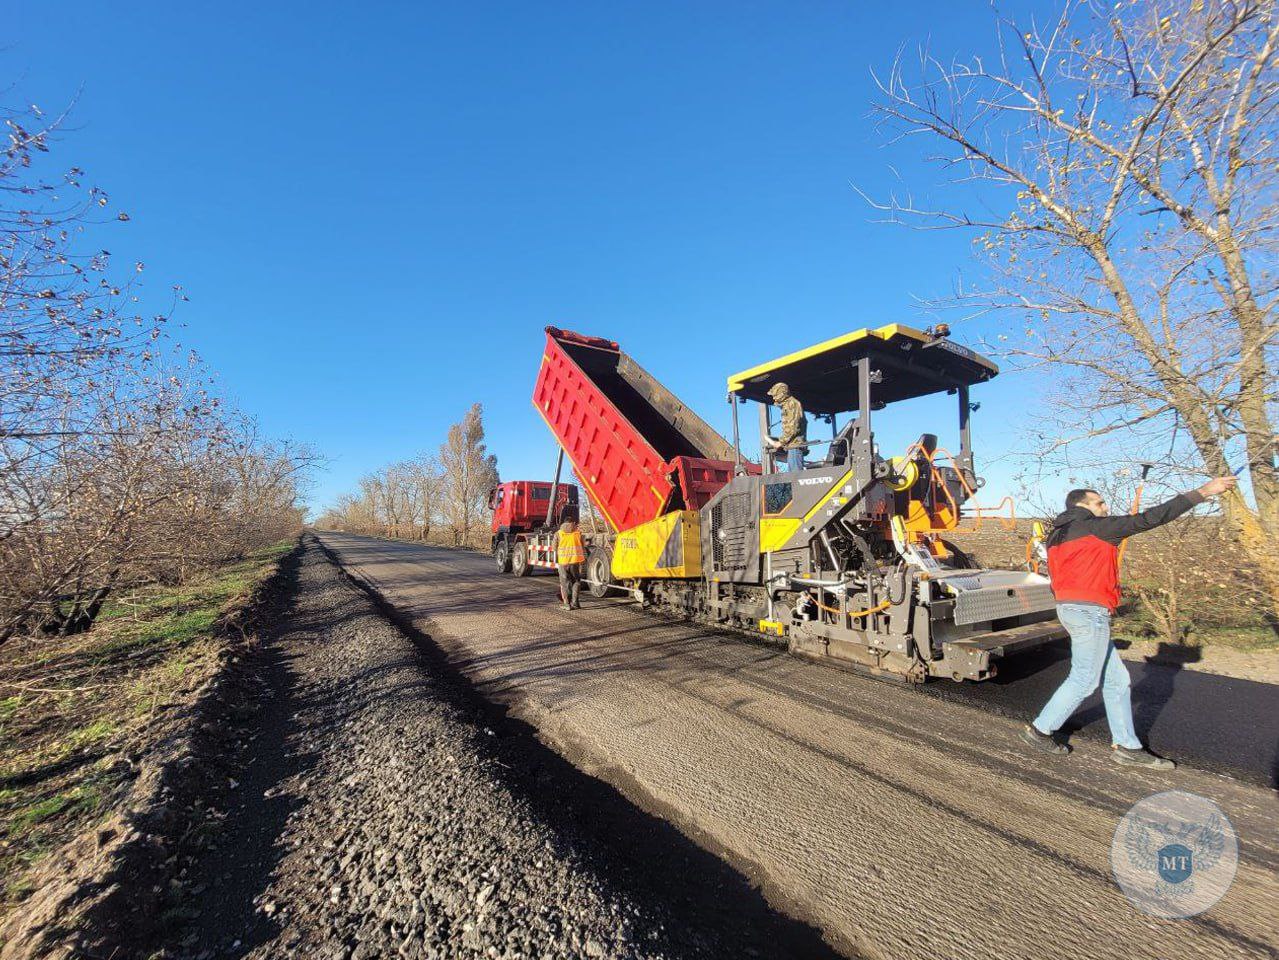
383, 809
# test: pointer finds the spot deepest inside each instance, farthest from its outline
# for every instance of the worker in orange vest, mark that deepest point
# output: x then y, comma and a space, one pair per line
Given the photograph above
570, 558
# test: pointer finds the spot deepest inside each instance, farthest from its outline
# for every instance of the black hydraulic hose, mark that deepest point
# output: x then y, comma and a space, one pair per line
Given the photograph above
830, 552
902, 572
871, 565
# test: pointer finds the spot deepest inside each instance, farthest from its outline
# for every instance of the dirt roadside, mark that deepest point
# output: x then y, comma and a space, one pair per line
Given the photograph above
111, 728
1259, 665
899, 823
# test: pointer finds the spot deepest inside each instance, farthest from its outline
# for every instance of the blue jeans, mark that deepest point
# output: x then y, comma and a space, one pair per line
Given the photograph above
794, 459
1093, 660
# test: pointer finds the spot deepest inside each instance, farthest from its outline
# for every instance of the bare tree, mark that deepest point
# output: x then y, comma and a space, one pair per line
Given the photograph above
402, 500
373, 497
397, 499
426, 484
117, 464
350, 513
1130, 153
68, 320
469, 473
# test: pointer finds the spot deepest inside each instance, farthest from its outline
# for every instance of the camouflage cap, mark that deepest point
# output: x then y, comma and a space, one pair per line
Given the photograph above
778, 389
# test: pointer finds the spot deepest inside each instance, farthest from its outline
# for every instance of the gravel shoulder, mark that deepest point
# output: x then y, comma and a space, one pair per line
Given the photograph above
384, 809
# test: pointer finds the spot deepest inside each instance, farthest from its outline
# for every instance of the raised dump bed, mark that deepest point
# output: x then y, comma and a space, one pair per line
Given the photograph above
638, 450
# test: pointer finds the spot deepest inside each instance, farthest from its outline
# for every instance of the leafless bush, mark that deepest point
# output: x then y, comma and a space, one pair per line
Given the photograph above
1187, 580
117, 465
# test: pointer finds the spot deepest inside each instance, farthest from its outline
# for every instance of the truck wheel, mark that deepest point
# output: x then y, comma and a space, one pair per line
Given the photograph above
502, 556
519, 560
599, 571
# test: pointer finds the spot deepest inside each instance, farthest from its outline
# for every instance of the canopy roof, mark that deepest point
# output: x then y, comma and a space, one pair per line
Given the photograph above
824, 376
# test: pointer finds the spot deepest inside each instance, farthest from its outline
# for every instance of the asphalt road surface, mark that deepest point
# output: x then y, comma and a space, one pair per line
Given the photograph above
1216, 723
900, 824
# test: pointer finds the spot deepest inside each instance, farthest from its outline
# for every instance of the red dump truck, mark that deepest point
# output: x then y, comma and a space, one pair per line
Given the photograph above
638, 450
526, 506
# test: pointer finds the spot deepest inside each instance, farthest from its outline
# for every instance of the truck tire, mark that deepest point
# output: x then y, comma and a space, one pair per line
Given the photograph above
599, 571
519, 560
502, 556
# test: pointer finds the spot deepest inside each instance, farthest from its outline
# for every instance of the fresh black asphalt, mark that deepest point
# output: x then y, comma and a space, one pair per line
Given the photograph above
1212, 722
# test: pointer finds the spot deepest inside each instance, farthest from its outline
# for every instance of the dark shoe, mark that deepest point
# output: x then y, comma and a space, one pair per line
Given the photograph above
1043, 742
1140, 757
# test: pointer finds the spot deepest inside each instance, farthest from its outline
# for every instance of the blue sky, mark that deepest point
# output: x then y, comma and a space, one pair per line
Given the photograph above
376, 208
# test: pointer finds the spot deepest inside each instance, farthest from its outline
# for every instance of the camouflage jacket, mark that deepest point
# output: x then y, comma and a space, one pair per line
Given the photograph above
794, 434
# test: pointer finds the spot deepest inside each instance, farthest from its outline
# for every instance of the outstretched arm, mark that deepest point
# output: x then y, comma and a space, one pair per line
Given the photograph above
1115, 529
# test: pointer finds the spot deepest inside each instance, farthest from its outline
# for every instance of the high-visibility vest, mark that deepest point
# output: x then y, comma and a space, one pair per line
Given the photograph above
569, 548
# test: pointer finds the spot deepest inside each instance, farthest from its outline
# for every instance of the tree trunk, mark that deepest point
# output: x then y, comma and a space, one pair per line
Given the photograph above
1254, 379
1253, 532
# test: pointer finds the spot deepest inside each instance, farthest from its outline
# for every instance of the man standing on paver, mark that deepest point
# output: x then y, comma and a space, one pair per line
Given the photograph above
1083, 563
793, 441
570, 556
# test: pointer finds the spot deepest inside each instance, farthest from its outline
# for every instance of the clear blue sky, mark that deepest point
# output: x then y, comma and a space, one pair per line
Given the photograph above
377, 207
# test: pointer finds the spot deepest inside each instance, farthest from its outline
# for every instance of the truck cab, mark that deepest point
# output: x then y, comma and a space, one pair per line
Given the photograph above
524, 506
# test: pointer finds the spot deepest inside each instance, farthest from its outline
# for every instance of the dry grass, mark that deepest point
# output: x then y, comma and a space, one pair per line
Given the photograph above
74, 709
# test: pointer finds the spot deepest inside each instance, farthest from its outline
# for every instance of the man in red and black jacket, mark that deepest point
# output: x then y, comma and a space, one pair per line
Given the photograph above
1083, 564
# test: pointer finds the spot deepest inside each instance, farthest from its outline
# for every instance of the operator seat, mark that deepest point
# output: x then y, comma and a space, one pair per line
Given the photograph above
839, 448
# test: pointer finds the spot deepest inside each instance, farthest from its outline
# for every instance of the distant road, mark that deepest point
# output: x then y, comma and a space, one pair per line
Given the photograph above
901, 824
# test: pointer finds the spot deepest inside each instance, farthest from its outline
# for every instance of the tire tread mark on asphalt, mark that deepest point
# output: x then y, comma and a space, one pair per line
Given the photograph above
1071, 863
1263, 856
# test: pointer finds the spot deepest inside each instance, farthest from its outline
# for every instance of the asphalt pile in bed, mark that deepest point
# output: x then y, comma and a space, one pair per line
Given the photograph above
385, 810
